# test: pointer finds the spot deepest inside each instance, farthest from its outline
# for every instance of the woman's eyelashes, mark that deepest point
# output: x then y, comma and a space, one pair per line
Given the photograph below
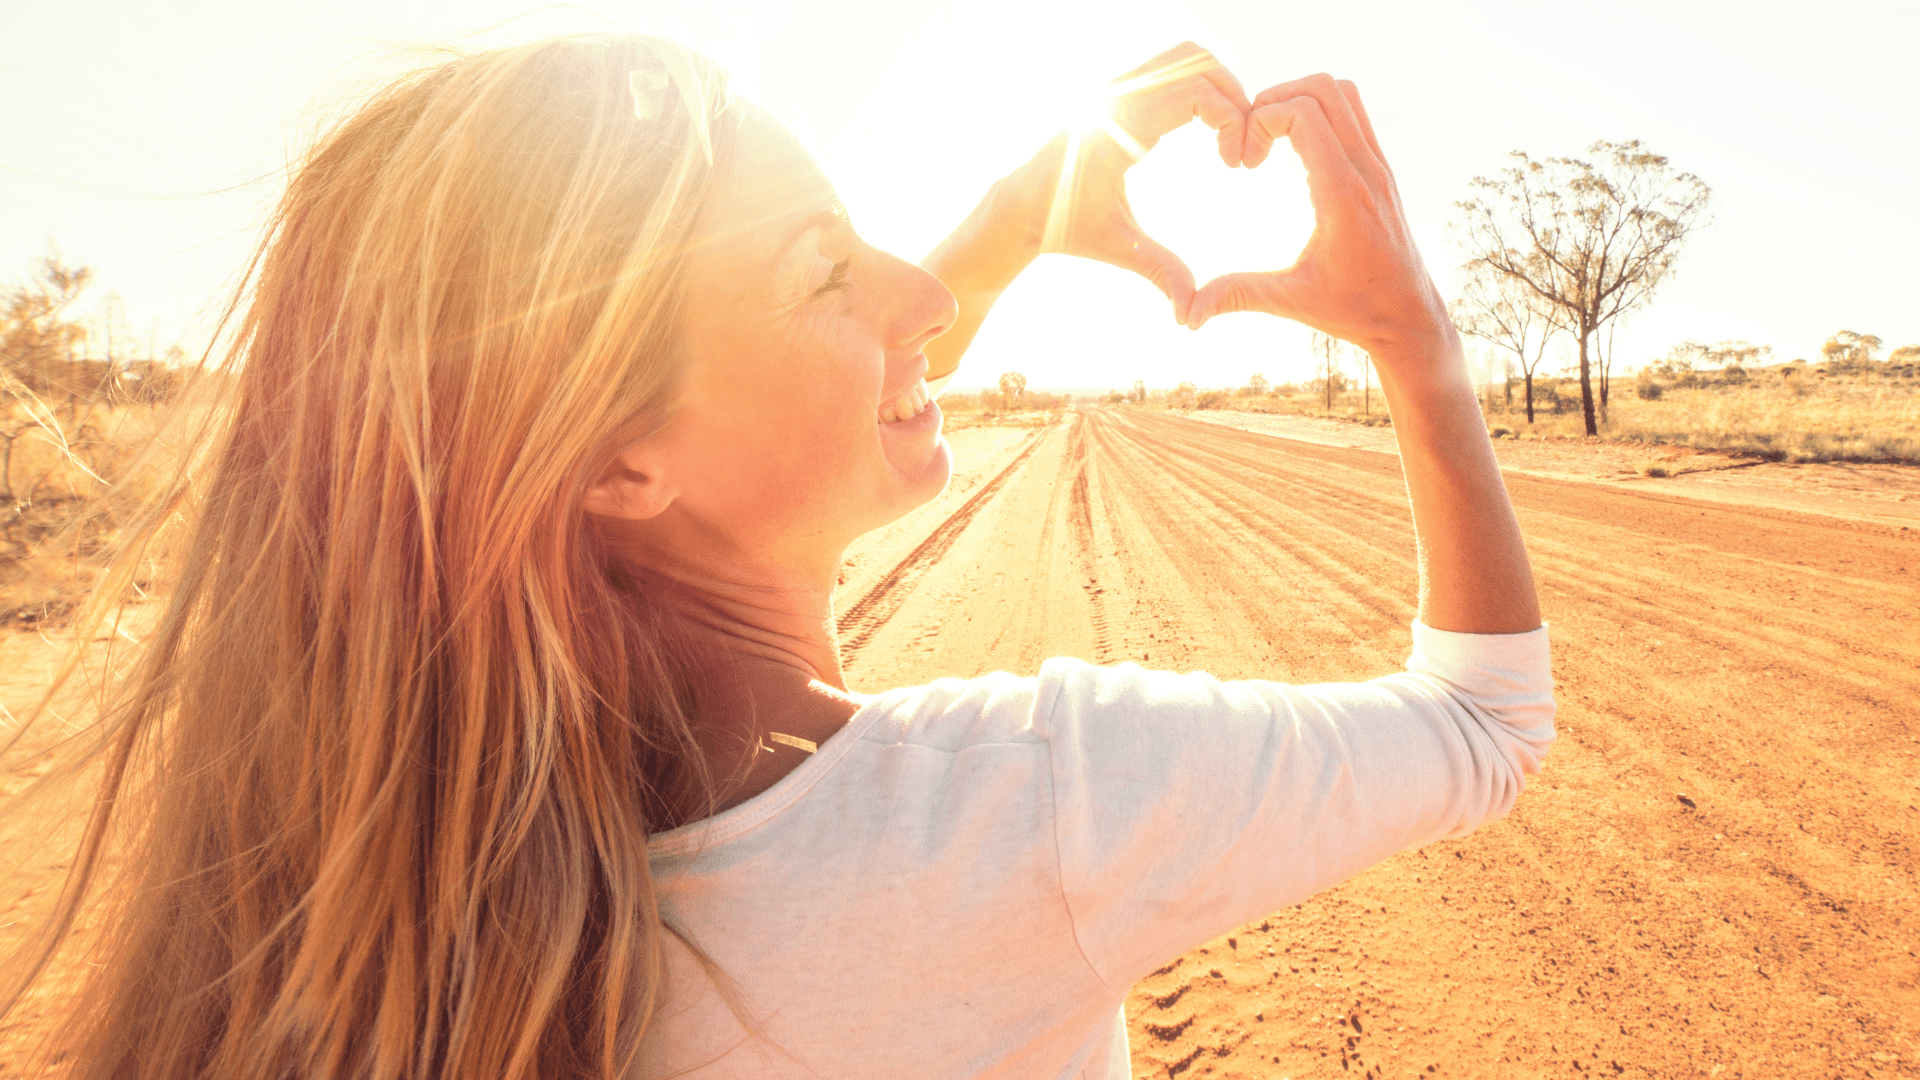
836, 277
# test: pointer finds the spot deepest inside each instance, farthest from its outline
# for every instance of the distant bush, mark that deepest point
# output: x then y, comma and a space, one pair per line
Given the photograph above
1211, 399
1500, 431
1649, 390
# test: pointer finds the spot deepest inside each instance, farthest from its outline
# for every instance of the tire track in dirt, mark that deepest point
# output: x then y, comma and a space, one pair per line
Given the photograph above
1763, 663
1095, 548
869, 613
1080, 530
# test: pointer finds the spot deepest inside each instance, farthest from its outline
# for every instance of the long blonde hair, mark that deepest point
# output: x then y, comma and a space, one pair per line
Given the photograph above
382, 775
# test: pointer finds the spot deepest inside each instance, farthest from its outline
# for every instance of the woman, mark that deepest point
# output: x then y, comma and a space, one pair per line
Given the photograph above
495, 728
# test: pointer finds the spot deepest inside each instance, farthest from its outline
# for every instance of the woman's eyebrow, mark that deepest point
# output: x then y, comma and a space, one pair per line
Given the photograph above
832, 216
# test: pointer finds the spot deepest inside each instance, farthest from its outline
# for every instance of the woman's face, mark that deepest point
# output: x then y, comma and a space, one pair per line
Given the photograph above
800, 419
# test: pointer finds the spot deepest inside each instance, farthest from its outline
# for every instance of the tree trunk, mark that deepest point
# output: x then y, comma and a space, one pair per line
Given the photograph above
1606, 374
1606, 382
1586, 385
1529, 378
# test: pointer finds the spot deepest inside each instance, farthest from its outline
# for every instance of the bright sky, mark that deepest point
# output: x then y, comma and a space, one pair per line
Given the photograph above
145, 138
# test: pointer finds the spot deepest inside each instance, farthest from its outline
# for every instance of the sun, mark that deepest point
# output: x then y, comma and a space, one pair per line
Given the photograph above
1089, 109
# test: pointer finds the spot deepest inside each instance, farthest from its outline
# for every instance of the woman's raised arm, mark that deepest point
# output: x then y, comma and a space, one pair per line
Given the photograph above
1361, 279
1031, 212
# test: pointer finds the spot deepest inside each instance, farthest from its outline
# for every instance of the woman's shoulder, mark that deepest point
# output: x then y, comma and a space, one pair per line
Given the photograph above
1001, 707
955, 713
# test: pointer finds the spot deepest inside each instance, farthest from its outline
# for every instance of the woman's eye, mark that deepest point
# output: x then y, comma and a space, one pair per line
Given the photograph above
836, 277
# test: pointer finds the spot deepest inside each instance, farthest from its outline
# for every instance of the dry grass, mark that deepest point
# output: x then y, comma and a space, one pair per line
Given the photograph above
961, 411
1807, 415
964, 420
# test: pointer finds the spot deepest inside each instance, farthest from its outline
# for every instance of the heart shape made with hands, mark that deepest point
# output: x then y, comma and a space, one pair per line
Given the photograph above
1357, 275
1218, 219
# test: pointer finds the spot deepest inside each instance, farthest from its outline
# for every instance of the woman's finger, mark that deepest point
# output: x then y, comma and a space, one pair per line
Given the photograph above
1154, 261
1340, 118
1331, 177
1216, 110
1352, 93
1232, 153
1180, 84
1178, 63
1147, 116
1303, 123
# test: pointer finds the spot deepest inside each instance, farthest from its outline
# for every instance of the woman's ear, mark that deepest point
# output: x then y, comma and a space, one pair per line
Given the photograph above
632, 487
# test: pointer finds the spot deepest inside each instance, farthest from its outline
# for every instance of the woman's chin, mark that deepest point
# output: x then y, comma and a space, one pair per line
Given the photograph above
914, 445
920, 457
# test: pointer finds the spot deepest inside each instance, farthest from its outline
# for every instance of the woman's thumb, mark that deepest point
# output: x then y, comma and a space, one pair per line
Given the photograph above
1168, 273
1267, 292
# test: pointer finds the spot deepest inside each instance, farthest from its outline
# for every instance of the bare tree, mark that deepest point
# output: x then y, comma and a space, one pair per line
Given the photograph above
1593, 242
1509, 315
1183, 396
1257, 385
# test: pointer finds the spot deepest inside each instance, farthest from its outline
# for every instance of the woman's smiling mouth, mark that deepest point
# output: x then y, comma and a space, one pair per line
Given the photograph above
906, 405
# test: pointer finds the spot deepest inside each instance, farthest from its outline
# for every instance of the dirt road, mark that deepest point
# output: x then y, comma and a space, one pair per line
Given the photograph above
1711, 876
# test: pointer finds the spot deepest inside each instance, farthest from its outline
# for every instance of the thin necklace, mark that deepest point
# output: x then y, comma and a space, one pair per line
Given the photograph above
794, 741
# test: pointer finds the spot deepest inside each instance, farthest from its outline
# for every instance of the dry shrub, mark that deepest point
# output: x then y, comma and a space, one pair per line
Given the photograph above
1872, 416
69, 488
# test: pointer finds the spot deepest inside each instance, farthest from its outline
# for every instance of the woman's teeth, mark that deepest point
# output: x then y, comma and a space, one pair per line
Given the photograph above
907, 405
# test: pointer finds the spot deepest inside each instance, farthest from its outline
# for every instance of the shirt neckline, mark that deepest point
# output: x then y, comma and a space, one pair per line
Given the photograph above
732, 822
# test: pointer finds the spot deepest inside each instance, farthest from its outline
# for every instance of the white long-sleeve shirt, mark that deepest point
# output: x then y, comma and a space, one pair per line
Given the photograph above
967, 878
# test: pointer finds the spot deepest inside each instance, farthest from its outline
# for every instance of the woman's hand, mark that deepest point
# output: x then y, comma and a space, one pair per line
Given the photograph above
1085, 212
1032, 212
1360, 277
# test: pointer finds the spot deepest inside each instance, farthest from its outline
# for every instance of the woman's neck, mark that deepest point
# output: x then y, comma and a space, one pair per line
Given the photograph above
765, 659
755, 623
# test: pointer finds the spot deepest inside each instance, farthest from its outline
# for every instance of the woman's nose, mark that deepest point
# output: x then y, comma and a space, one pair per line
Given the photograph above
920, 308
